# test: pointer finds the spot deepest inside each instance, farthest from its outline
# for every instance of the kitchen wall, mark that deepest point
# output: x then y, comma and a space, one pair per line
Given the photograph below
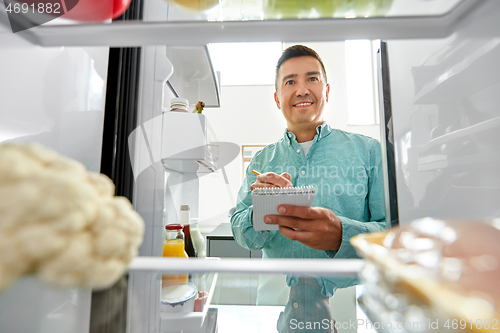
248, 115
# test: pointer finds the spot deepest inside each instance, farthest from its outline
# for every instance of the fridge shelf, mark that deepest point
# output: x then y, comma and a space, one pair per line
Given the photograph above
464, 147
175, 322
434, 162
439, 83
214, 266
471, 130
189, 32
318, 267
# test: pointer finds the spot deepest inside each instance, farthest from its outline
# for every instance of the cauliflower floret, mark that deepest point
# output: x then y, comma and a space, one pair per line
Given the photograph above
61, 222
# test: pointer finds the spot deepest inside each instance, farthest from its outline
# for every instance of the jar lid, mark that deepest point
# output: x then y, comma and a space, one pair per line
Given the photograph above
178, 294
173, 227
179, 100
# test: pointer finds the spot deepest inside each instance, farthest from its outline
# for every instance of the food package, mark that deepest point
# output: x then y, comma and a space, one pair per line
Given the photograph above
432, 275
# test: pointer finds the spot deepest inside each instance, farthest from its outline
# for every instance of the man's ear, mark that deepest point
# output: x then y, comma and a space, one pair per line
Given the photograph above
327, 91
277, 100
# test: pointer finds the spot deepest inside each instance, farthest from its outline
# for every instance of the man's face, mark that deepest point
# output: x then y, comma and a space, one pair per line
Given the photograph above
302, 92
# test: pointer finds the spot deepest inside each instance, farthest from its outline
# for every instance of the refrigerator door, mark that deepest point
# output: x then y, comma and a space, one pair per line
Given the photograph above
54, 97
446, 121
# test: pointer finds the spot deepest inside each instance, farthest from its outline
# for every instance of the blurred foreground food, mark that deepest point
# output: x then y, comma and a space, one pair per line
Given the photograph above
442, 274
61, 222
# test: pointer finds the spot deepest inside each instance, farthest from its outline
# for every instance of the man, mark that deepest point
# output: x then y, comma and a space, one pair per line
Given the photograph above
345, 168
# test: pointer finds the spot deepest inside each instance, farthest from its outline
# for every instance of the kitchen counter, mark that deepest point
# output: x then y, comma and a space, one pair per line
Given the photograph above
221, 243
223, 231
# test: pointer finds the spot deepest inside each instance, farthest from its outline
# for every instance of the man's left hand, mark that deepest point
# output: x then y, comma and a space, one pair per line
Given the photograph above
316, 227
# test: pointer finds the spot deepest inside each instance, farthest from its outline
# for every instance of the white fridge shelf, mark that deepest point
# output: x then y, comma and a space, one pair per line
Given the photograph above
191, 321
212, 267
318, 267
189, 32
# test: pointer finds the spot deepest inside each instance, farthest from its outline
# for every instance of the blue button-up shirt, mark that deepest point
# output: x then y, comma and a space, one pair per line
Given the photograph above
346, 170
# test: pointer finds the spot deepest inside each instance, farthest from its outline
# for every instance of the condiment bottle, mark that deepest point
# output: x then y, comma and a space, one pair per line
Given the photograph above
198, 239
173, 246
184, 219
179, 104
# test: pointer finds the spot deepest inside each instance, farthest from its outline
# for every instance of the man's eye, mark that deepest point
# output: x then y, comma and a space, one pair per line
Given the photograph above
313, 78
289, 82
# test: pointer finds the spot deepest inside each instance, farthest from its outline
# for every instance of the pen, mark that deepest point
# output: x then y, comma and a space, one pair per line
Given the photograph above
256, 172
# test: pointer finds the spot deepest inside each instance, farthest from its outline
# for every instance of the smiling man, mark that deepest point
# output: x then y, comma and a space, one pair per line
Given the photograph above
346, 170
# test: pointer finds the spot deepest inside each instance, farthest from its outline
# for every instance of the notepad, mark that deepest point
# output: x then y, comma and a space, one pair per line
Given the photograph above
266, 201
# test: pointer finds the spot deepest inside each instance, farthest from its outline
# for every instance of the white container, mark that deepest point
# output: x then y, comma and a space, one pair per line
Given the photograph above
197, 238
179, 104
184, 215
178, 298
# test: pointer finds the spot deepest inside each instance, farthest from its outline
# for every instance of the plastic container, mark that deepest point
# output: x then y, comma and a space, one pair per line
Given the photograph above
173, 246
432, 270
178, 298
179, 104
197, 239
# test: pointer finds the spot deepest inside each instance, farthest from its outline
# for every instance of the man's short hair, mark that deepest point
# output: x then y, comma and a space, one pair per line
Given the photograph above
296, 51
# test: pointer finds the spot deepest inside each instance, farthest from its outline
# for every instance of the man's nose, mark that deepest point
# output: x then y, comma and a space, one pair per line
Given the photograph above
302, 90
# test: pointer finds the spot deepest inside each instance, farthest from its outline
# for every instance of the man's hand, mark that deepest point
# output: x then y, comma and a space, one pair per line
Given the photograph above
271, 179
316, 227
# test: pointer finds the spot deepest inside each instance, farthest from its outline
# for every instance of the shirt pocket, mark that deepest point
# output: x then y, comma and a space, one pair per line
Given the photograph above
344, 191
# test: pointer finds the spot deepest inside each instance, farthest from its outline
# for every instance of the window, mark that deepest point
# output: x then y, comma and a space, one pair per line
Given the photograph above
245, 63
247, 153
362, 99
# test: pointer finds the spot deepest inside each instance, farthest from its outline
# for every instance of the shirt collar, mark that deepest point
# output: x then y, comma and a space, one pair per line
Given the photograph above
322, 131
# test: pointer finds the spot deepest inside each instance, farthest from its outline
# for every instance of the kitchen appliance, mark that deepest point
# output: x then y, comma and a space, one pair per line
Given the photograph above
444, 76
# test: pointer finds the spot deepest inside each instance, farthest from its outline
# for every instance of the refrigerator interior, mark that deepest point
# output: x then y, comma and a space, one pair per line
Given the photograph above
444, 80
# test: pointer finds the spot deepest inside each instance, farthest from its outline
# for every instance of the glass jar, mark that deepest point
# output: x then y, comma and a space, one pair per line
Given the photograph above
173, 246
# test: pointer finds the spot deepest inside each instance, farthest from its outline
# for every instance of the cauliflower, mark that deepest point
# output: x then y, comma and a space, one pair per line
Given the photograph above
61, 222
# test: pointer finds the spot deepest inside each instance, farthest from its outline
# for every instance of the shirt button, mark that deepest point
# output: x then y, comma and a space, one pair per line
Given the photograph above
303, 172
295, 305
298, 151
289, 135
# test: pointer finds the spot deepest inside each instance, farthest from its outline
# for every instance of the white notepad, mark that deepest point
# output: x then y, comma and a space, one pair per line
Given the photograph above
266, 201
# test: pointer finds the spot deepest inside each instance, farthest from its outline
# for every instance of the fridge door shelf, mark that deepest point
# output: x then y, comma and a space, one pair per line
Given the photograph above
186, 144
441, 83
192, 321
462, 147
213, 266
194, 77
